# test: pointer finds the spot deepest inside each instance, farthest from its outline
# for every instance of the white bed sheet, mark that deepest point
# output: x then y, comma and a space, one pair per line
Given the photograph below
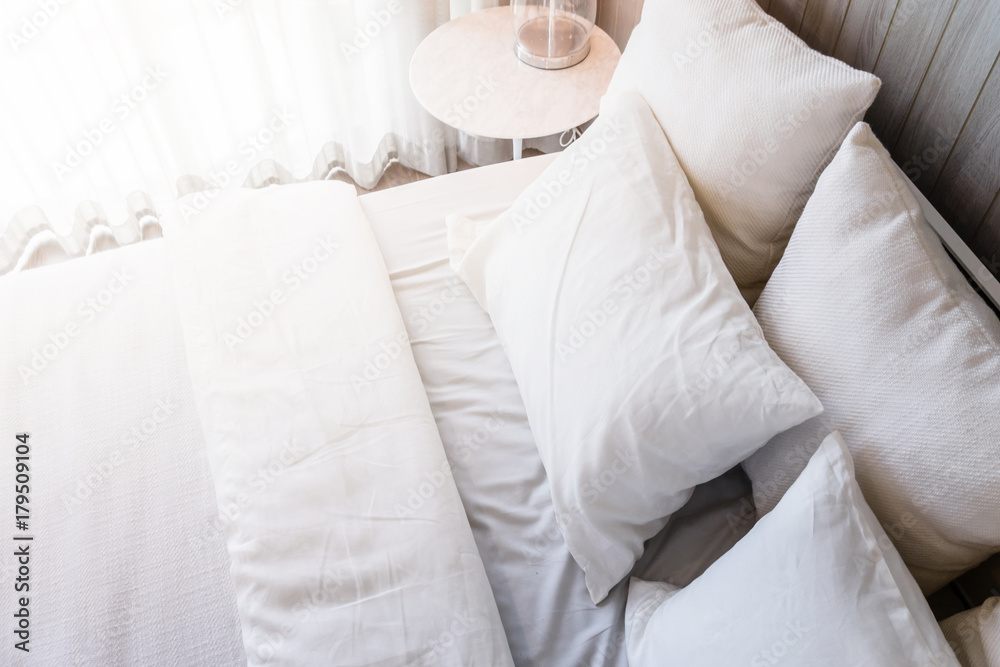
540, 591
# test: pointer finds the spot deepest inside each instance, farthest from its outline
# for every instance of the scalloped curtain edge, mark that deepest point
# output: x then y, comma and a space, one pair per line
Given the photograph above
29, 231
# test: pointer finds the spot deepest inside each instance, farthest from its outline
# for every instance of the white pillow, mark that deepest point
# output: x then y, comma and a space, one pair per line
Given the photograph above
753, 114
867, 307
975, 634
641, 367
816, 583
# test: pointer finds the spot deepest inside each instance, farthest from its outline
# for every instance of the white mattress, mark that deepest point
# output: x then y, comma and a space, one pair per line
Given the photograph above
540, 591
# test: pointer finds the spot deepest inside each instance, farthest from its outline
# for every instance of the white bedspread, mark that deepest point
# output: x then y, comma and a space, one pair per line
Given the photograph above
348, 539
126, 566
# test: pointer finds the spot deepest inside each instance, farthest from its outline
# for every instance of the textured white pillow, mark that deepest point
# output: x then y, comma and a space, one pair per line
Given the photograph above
816, 582
753, 114
641, 367
975, 634
869, 310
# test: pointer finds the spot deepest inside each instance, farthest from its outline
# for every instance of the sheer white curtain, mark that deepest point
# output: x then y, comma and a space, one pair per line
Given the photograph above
110, 107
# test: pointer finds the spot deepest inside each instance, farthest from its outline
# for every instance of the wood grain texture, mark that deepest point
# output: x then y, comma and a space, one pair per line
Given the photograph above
953, 83
821, 23
789, 12
864, 30
909, 47
937, 111
970, 178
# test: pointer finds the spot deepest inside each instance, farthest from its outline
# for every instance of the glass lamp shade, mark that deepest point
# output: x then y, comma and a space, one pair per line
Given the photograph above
553, 34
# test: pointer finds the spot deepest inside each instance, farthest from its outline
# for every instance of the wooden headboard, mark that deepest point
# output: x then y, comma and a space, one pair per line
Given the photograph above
938, 112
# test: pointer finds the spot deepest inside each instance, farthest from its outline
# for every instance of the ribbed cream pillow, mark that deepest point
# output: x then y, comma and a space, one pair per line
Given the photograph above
869, 310
753, 114
974, 635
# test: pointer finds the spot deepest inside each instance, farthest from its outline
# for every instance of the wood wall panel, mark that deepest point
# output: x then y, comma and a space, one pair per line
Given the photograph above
821, 24
951, 86
863, 32
939, 108
970, 177
904, 59
789, 12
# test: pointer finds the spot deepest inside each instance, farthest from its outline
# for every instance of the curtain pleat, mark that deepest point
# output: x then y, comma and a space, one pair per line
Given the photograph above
109, 109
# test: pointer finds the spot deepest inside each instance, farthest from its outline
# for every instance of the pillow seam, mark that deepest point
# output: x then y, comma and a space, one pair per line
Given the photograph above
956, 300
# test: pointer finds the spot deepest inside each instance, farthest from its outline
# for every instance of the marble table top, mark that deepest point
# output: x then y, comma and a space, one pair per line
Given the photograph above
466, 74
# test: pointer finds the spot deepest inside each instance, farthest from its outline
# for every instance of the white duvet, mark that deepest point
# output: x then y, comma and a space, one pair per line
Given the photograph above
347, 537
239, 465
126, 566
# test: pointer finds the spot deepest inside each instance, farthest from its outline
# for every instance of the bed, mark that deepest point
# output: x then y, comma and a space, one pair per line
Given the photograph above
476, 406
308, 428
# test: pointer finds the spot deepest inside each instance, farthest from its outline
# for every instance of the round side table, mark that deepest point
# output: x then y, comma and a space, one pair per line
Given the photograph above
467, 75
